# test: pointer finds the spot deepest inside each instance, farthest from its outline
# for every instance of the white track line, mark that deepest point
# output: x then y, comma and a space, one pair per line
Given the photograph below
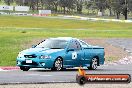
19, 28
4, 70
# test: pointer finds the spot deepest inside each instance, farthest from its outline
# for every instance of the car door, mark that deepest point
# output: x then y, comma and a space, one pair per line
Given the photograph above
87, 54
73, 56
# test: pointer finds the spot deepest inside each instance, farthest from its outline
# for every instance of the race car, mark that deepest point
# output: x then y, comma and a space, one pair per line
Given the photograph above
61, 53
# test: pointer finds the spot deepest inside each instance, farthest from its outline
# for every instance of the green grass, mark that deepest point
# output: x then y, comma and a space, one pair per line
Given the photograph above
40, 22
17, 32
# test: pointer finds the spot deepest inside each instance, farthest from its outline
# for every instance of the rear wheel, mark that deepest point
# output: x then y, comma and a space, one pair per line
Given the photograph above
93, 64
58, 65
24, 68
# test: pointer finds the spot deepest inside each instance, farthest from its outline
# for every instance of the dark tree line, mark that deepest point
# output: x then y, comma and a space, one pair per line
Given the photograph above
76, 6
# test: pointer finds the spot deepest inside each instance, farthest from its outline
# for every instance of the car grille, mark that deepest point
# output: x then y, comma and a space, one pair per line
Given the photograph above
30, 56
33, 63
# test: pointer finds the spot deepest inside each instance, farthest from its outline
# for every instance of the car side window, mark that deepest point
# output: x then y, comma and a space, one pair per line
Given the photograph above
84, 45
78, 45
74, 45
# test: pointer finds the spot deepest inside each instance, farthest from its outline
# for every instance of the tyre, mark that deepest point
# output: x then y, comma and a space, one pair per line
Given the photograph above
93, 64
24, 68
58, 65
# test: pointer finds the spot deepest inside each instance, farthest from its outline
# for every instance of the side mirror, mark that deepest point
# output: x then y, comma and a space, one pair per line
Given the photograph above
33, 46
70, 49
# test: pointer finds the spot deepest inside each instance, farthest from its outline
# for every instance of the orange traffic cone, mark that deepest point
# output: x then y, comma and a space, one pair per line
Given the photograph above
81, 71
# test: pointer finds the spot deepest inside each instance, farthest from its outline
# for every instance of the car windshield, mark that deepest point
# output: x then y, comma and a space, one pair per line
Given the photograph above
53, 44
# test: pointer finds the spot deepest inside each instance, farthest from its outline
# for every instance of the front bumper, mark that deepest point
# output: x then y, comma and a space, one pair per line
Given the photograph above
36, 63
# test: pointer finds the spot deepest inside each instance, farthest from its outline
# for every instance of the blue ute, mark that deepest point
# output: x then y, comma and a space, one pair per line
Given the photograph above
59, 53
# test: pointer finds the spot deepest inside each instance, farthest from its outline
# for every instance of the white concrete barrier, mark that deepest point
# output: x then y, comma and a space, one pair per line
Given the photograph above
22, 8
96, 19
5, 7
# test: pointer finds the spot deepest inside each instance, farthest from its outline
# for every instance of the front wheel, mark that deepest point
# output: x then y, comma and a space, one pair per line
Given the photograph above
58, 65
93, 64
24, 68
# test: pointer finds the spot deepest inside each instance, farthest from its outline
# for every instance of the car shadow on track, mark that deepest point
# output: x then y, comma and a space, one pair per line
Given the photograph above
45, 70
66, 70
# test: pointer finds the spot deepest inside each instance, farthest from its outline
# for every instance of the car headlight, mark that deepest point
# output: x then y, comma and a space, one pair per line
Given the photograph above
45, 57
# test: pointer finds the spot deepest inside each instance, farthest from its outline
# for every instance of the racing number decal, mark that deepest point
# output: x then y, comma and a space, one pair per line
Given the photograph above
74, 55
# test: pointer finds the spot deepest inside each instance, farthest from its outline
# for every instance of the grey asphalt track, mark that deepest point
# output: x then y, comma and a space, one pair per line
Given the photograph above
47, 76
